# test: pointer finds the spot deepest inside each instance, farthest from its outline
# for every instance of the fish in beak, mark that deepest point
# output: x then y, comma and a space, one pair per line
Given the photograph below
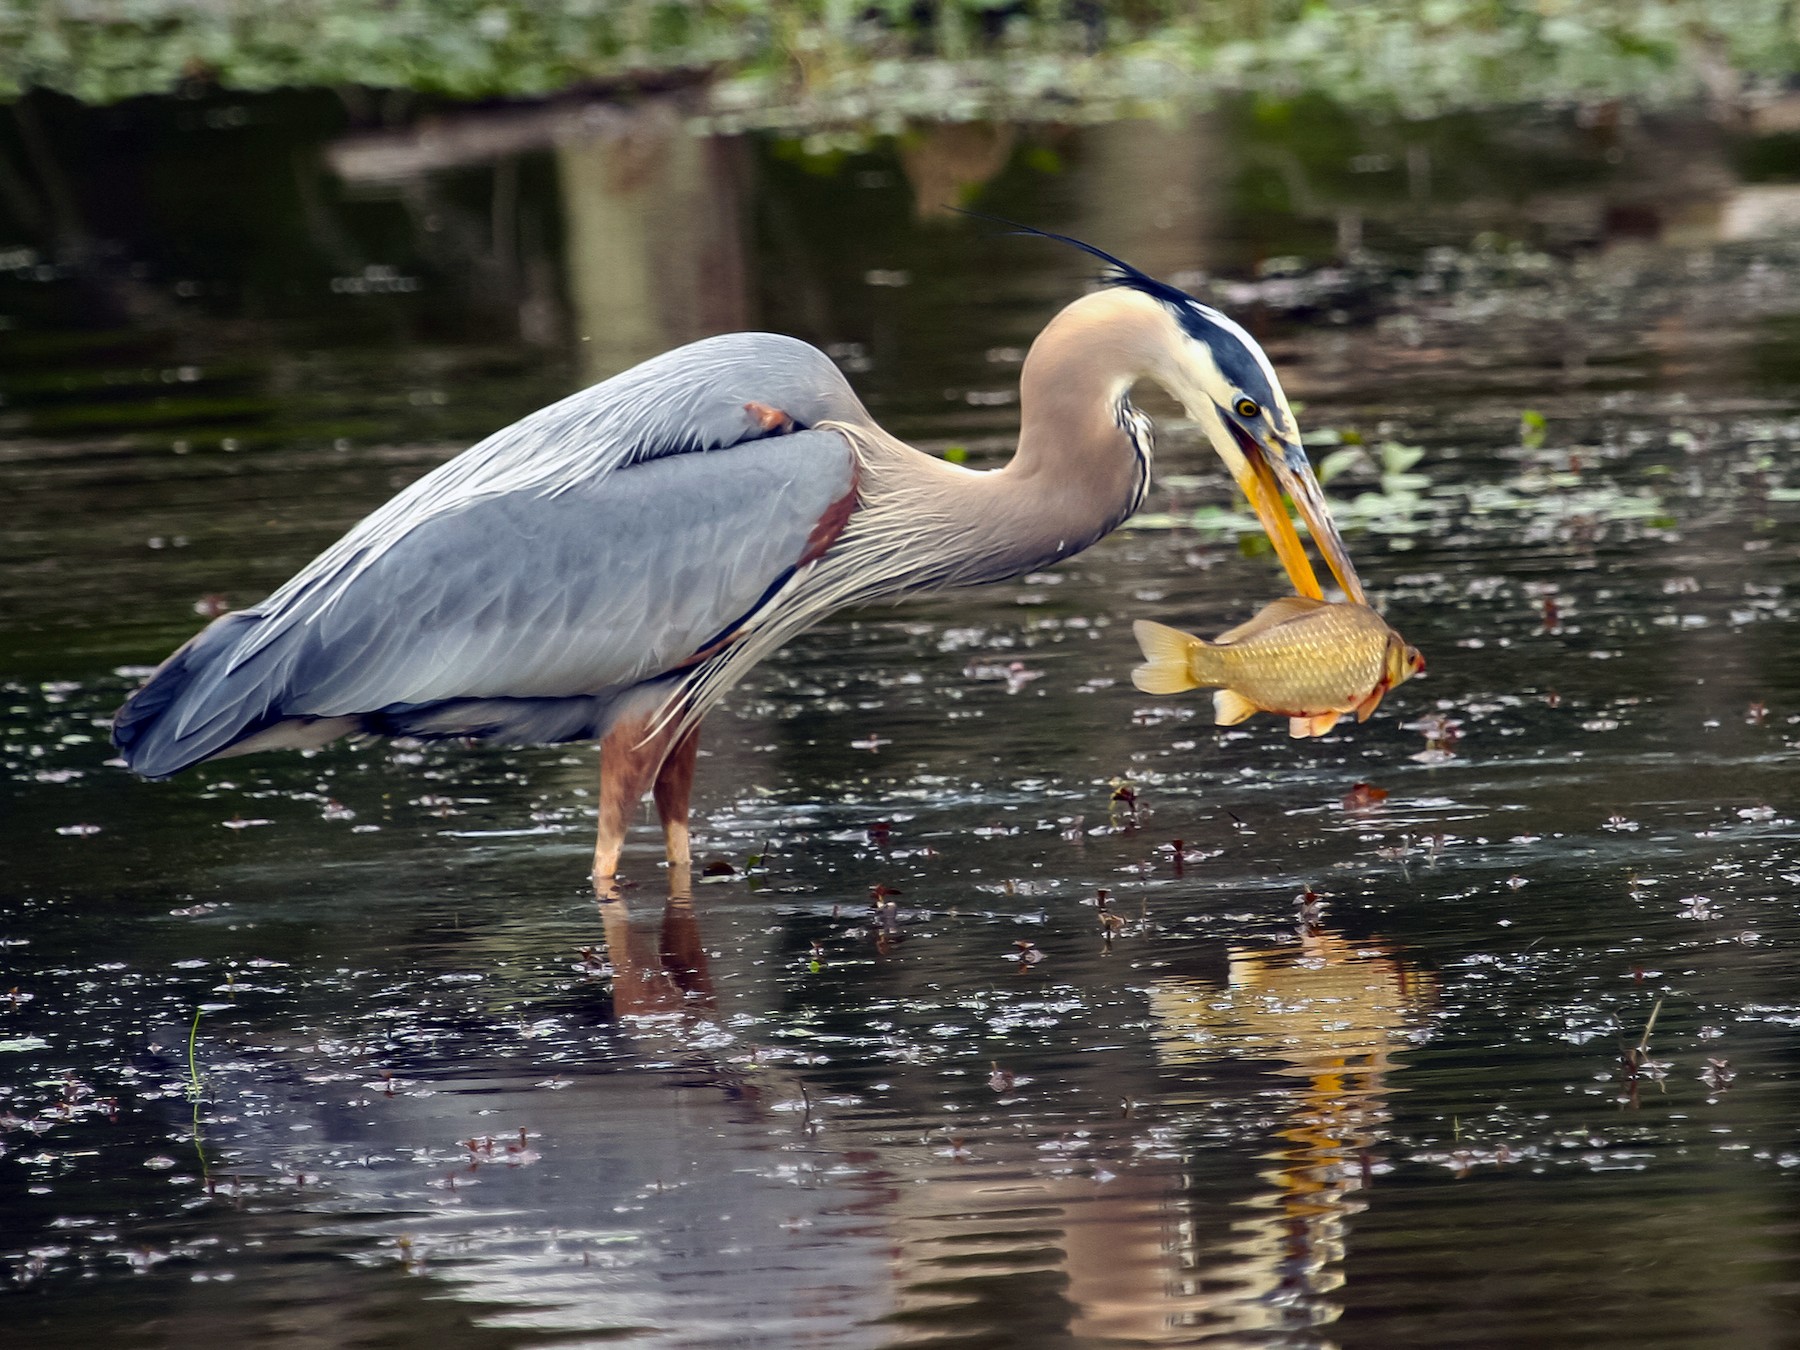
1271, 466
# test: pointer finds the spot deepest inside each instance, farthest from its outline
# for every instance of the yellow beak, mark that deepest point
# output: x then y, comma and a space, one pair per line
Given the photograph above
1263, 480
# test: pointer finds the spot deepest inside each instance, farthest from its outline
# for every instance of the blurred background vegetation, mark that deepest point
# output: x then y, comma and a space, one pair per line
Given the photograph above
794, 62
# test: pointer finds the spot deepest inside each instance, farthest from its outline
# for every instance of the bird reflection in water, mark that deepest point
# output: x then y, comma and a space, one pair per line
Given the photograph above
1332, 1013
1135, 1258
1034, 1243
661, 975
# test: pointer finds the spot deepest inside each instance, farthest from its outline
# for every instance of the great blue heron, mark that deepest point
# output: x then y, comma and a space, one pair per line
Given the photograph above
610, 565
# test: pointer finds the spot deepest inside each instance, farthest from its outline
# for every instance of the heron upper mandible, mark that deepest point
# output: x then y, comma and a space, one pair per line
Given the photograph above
609, 566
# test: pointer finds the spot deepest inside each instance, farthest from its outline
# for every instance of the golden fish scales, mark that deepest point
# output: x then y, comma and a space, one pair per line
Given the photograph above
1302, 659
1327, 661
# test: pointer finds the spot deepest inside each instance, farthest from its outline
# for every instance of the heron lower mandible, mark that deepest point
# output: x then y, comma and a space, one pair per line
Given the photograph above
611, 565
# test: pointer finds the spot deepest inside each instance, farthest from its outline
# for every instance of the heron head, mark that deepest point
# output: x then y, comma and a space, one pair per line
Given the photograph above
1222, 376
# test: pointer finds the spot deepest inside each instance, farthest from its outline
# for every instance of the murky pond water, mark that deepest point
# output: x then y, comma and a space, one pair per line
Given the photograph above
341, 1050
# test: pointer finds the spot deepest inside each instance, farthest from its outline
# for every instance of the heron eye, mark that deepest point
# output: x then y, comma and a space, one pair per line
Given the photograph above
1246, 407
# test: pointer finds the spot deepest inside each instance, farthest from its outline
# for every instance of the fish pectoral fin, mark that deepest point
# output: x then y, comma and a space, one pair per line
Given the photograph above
1276, 611
1371, 703
1231, 707
1165, 669
1301, 727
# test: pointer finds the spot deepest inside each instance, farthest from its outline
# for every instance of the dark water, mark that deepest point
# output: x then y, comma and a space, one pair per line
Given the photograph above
444, 1098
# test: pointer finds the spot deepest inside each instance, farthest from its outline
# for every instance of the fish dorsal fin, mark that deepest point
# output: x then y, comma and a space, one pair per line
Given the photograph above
1276, 611
1231, 707
1166, 651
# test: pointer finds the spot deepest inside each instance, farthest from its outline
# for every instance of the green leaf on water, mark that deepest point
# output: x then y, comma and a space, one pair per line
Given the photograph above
1339, 460
1531, 429
957, 454
1397, 458
1154, 520
1219, 520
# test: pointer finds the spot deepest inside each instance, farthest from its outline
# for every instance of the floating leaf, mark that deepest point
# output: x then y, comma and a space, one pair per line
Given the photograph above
1364, 797
1338, 461
1397, 458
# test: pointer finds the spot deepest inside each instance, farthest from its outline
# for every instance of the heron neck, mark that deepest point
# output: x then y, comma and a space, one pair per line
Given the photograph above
1075, 476
1070, 432
1078, 471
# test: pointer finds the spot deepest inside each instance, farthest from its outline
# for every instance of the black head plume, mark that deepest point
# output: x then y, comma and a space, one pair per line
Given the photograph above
1118, 272
1235, 351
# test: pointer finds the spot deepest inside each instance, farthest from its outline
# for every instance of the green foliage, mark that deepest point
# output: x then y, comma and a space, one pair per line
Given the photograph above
102, 51
955, 58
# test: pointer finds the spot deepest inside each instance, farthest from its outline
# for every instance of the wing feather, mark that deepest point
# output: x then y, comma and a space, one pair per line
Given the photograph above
506, 602
597, 588
691, 400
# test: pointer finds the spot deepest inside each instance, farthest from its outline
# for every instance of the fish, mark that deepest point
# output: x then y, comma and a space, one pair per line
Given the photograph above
1306, 660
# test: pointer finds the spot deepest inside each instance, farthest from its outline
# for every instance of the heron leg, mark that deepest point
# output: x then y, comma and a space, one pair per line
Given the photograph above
628, 765
674, 784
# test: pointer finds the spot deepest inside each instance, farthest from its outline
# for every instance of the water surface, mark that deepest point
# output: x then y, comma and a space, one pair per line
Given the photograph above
341, 1049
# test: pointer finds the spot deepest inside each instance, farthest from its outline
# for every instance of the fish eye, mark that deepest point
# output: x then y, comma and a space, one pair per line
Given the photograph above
1246, 407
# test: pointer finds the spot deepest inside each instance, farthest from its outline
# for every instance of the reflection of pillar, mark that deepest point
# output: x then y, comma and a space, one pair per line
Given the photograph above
1152, 192
1053, 1256
945, 161
654, 238
1123, 1256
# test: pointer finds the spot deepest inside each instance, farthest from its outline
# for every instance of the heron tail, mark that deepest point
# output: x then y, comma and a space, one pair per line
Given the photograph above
199, 702
228, 693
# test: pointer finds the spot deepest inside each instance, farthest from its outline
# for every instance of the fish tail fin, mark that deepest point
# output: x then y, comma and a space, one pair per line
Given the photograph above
1167, 653
1231, 707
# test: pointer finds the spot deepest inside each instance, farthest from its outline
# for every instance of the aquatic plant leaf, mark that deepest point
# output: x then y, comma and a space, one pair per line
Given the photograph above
1364, 797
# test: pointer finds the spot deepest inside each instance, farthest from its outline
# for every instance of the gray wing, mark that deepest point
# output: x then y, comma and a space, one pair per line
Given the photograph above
691, 400
601, 587
507, 581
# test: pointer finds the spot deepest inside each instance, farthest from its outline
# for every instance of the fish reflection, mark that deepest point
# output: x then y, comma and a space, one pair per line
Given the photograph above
1114, 1232
1333, 1013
